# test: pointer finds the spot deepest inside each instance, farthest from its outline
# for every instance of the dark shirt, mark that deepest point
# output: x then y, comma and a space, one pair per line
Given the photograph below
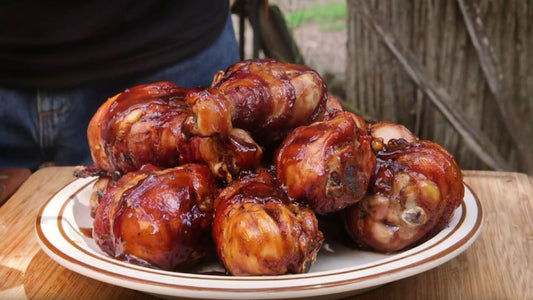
61, 43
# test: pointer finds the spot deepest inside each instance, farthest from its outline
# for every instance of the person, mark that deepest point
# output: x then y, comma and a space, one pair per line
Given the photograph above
60, 60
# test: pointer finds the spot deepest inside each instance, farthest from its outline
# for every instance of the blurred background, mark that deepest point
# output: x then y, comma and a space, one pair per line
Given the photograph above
319, 31
457, 72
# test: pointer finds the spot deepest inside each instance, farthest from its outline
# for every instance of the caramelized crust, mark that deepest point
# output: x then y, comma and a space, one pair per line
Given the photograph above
264, 97
145, 125
413, 193
327, 164
138, 126
158, 218
383, 132
258, 231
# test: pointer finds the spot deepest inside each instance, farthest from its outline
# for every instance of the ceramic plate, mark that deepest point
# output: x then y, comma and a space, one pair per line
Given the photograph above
62, 225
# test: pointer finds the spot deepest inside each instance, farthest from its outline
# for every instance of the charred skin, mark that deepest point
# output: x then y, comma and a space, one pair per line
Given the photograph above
413, 193
145, 125
327, 164
158, 218
383, 132
264, 97
258, 231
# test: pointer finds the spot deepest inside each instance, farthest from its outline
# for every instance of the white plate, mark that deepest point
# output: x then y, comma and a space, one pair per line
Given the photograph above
60, 224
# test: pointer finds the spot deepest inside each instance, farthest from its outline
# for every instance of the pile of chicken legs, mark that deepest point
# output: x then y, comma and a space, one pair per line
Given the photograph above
242, 169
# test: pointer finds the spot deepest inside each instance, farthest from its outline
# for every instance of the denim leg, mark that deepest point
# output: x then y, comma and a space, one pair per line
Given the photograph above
44, 126
19, 130
64, 117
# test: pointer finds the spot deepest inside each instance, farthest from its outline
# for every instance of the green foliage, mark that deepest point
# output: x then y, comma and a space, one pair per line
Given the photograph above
328, 17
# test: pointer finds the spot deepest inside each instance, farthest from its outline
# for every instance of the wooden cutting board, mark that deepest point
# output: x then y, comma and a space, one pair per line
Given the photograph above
10, 180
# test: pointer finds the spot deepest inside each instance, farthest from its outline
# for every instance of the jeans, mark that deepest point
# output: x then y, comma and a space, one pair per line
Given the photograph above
40, 126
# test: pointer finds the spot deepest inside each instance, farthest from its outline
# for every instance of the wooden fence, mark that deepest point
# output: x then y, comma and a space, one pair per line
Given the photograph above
459, 73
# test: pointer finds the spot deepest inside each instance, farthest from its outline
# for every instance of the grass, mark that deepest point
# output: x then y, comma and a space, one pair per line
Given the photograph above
328, 17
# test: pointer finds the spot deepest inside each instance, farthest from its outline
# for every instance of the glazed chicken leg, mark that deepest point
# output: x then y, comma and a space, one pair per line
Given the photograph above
182, 174
158, 218
264, 97
258, 231
327, 164
145, 124
413, 193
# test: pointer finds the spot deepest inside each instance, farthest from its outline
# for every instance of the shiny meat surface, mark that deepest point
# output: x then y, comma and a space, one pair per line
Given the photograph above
227, 155
158, 218
327, 164
413, 193
264, 97
144, 125
258, 231
333, 107
141, 125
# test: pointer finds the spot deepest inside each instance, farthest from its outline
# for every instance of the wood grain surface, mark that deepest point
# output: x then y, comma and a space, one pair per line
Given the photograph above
496, 266
10, 180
